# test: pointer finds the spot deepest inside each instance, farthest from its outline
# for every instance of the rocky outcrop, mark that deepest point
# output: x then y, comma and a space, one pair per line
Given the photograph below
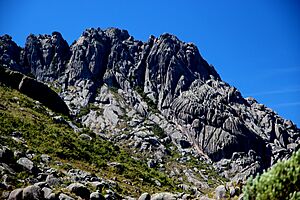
34, 89
45, 56
120, 80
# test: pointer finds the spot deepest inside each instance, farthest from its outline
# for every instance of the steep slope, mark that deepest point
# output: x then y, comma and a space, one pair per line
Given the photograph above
40, 148
115, 84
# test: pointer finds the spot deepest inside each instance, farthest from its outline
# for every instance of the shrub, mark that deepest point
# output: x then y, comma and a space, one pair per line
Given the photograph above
282, 181
158, 131
150, 103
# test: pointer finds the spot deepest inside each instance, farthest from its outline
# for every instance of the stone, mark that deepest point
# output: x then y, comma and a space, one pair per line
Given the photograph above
220, 192
53, 180
52, 196
205, 198
232, 191
184, 144
108, 197
145, 196
33, 192
5, 168
16, 194
241, 197
63, 196
79, 175
6, 155
41, 184
44, 94
27, 164
47, 191
186, 197
35, 89
80, 190
5, 195
151, 163
96, 196
45, 158
85, 137
163, 196
99, 185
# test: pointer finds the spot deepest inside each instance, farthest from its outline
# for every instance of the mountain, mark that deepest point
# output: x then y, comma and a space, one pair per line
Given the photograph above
150, 98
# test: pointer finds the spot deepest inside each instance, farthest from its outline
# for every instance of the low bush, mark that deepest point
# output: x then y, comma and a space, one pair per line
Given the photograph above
282, 181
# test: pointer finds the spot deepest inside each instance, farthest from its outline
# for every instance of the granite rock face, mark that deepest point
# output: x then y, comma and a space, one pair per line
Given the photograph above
164, 80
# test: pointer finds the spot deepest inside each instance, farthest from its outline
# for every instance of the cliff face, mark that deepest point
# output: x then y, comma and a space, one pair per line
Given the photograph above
127, 84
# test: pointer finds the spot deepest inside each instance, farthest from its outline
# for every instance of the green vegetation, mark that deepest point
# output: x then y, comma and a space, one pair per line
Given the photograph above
150, 103
280, 182
158, 131
86, 110
42, 135
113, 89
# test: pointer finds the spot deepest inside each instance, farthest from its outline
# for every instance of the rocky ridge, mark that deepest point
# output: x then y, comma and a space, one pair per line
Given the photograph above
121, 88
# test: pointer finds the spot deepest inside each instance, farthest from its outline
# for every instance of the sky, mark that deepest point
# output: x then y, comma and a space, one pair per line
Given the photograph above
254, 45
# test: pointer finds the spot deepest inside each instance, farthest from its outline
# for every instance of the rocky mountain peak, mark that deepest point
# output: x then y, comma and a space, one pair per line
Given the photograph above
126, 84
45, 56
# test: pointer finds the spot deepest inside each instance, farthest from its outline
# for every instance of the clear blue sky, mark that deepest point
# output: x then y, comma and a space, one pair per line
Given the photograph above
254, 45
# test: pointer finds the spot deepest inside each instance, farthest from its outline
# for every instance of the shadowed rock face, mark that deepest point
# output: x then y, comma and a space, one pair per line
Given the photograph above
34, 89
189, 95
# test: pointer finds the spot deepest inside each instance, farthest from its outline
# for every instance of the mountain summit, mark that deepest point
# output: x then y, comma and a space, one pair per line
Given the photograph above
120, 88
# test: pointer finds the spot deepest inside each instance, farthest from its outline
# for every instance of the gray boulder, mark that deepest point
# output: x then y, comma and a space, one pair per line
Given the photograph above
27, 164
145, 196
47, 191
85, 137
205, 198
96, 196
33, 192
80, 190
6, 155
220, 192
45, 158
163, 196
52, 196
63, 196
53, 180
16, 194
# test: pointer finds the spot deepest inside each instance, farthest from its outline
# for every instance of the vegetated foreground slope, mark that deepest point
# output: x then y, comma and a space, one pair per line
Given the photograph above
153, 98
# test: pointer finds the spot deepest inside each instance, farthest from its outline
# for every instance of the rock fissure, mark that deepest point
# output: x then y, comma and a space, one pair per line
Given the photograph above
113, 83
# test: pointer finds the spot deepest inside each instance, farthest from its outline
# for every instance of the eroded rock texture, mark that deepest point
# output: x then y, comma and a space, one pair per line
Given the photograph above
163, 80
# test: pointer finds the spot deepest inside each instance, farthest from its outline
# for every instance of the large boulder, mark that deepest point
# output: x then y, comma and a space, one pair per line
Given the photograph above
16, 194
96, 196
163, 196
80, 190
33, 192
6, 155
145, 196
34, 89
43, 94
220, 192
27, 164
63, 196
47, 192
